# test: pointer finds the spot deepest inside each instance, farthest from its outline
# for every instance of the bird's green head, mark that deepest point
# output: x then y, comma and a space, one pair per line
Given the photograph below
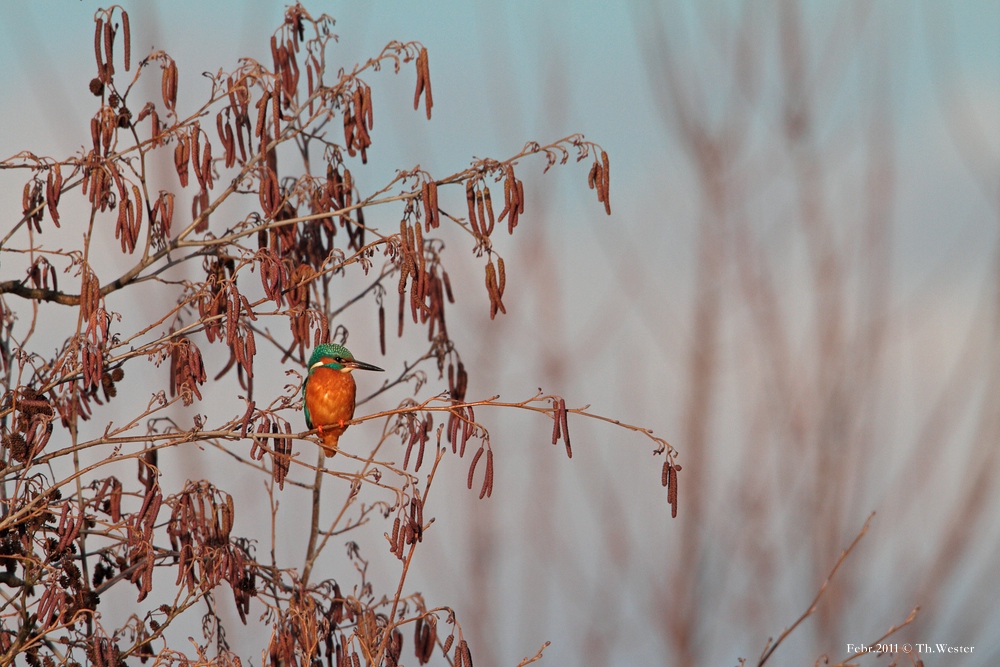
338, 358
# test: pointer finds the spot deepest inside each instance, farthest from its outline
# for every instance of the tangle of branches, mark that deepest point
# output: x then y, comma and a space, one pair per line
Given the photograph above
245, 247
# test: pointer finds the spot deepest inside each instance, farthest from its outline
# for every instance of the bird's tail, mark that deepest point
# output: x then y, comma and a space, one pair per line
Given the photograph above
330, 441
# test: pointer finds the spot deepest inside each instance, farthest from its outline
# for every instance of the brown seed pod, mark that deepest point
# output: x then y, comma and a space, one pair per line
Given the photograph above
310, 89
472, 466
274, 54
173, 85
606, 181
428, 96
672, 491
90, 293
470, 197
424, 436
423, 83
401, 540
487, 489
367, 107
194, 144
168, 85
400, 331
168, 212
262, 115
181, 154
219, 128
494, 291
232, 312
417, 514
447, 286
405, 269
468, 428
246, 418
137, 198
414, 435
128, 40
461, 383
425, 200
242, 125
432, 190
361, 114
414, 301
381, 328
276, 113
556, 421
406, 250
206, 165
154, 121
420, 86
454, 422
395, 536
199, 211
115, 504
418, 249
506, 197
489, 210
257, 449
53, 192
565, 426
515, 201
229, 144
109, 41
95, 135
491, 287
480, 209
98, 35
349, 128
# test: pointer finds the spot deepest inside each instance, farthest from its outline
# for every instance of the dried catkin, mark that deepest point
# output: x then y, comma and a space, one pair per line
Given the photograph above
432, 189
489, 210
381, 328
470, 197
487, 489
480, 209
606, 181
565, 427
472, 466
98, 35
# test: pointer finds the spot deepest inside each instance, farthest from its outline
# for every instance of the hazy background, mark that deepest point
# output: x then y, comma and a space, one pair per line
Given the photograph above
797, 288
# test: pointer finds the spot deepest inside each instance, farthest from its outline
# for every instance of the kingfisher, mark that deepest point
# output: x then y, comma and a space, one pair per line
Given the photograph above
329, 392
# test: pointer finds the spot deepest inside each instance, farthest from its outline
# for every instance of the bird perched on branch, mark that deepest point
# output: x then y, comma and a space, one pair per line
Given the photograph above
329, 392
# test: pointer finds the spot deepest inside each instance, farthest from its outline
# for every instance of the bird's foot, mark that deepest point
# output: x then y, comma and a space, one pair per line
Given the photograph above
340, 424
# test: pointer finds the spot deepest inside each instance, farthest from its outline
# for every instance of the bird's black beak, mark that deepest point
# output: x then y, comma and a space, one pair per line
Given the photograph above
354, 364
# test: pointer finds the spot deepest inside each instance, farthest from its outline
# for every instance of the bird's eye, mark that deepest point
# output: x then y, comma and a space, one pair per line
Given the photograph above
339, 360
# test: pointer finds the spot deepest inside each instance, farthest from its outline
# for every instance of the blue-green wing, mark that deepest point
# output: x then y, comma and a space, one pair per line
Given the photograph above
305, 408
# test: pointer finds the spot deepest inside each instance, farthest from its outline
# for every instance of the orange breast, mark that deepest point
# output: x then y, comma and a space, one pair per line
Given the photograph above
330, 398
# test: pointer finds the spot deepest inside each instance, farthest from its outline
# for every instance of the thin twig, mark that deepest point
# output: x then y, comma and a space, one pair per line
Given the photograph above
770, 647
